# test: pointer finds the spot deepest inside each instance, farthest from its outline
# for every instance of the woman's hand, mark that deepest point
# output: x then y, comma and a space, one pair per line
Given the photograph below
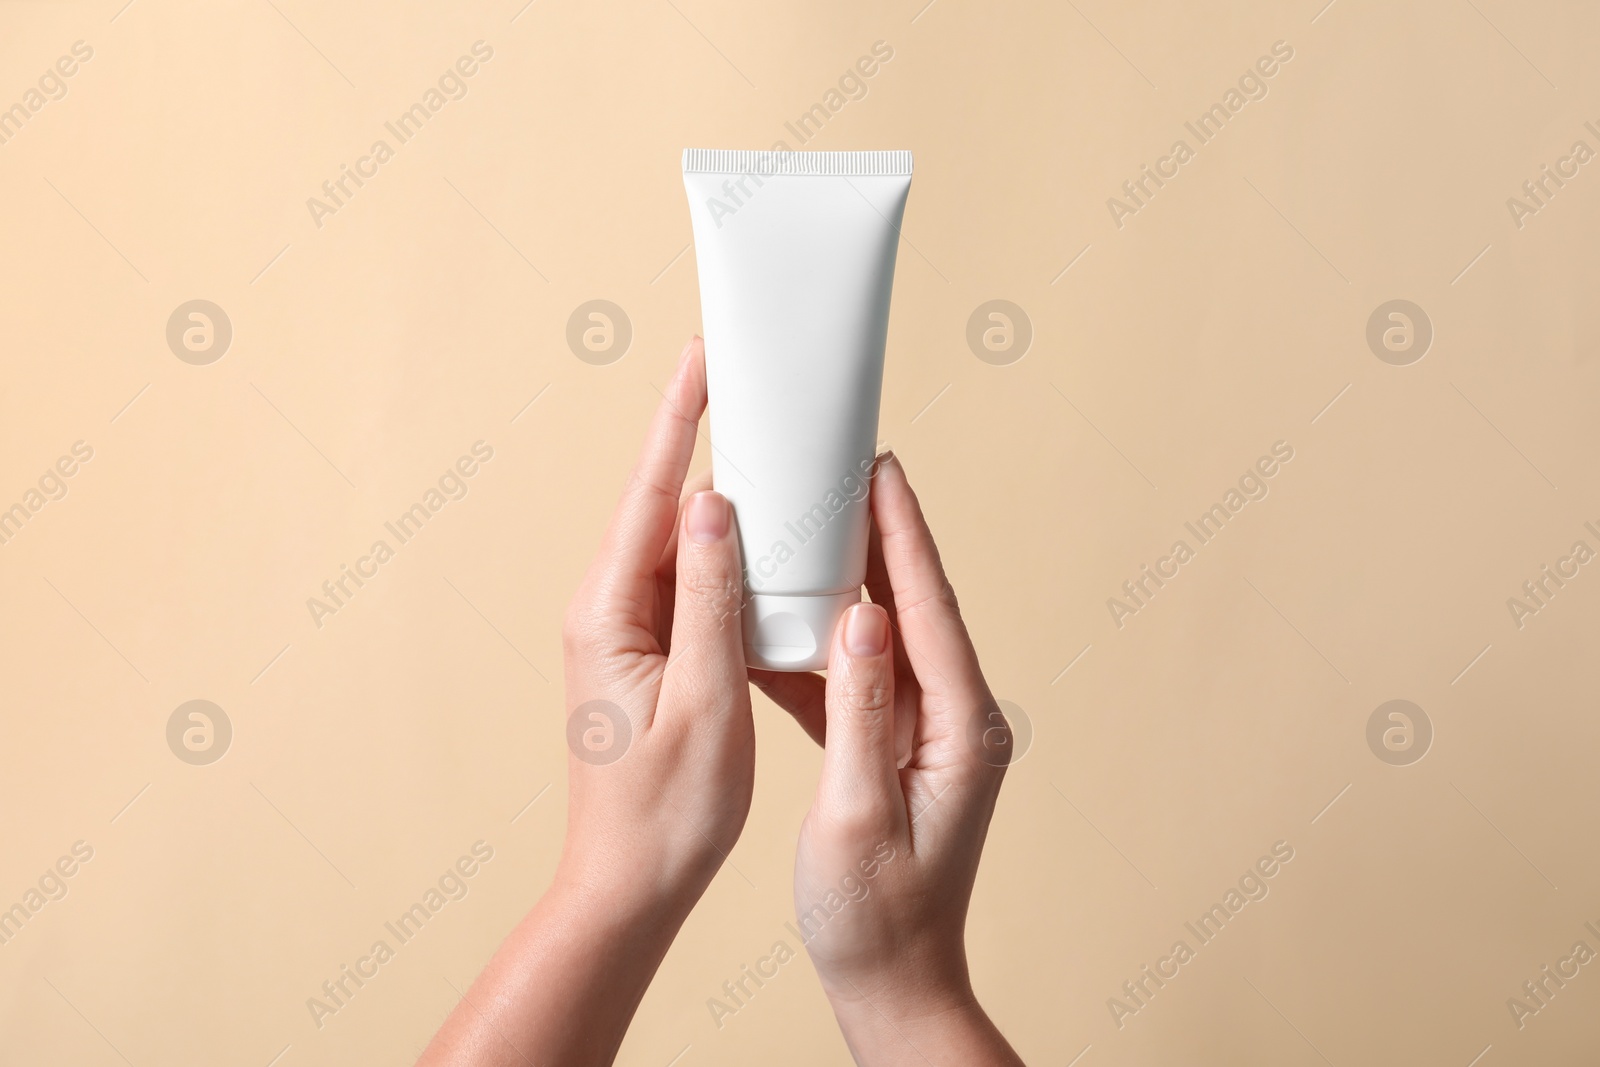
661, 771
662, 740
910, 775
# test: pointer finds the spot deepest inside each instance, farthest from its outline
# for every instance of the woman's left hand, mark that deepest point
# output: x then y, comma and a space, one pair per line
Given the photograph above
661, 769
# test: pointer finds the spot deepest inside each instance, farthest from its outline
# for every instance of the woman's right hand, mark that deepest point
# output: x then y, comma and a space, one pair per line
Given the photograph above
914, 753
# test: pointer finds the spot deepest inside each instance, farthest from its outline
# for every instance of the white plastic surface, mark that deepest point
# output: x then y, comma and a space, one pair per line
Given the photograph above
796, 256
793, 633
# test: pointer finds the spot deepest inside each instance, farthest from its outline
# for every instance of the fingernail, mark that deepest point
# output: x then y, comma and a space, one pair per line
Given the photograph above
683, 356
708, 517
866, 631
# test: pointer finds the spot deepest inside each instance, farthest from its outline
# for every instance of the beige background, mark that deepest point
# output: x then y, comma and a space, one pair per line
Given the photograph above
369, 353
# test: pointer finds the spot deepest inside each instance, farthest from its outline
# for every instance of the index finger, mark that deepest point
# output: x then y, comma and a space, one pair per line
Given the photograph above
937, 647
648, 511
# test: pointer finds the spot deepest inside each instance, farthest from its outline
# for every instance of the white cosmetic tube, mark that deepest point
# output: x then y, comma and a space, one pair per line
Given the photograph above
796, 253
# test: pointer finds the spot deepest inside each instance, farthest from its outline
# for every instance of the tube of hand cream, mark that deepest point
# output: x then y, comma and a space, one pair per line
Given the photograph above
796, 254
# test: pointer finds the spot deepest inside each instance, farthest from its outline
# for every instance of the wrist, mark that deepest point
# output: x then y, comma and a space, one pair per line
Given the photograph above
631, 898
859, 1004
936, 1024
568, 979
581, 922
917, 980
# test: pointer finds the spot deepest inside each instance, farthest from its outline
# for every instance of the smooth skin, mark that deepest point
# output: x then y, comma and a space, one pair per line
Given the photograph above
654, 631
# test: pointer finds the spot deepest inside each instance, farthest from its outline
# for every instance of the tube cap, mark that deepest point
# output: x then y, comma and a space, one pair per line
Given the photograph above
793, 633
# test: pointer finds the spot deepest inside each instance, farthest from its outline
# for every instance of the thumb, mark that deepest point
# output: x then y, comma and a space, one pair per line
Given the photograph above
706, 664
859, 781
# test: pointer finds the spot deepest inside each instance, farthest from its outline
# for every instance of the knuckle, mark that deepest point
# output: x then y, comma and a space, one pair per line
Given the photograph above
640, 484
579, 628
947, 595
942, 601
860, 819
715, 589
995, 721
866, 695
992, 740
